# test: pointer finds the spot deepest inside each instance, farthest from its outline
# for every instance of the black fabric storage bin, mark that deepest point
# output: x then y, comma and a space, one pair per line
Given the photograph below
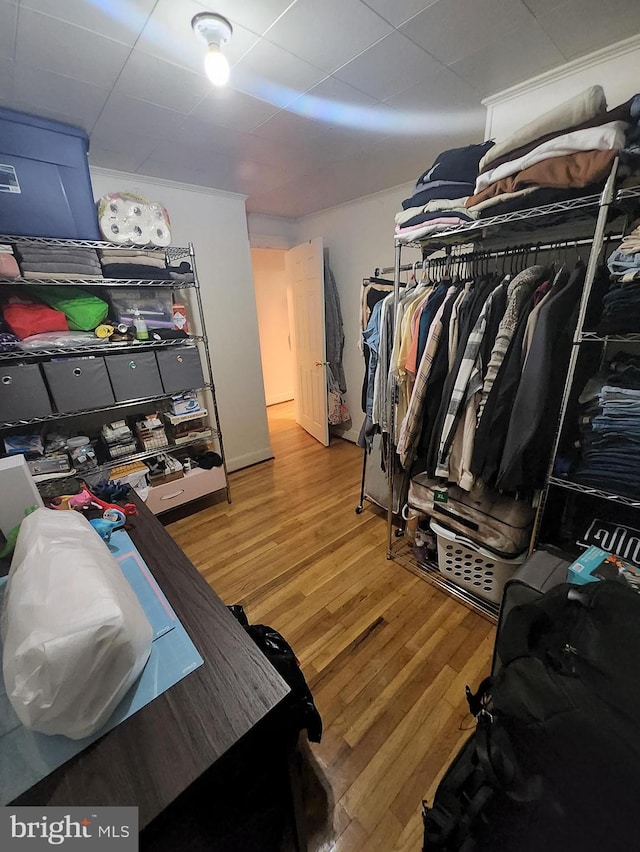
134, 376
180, 369
23, 393
78, 383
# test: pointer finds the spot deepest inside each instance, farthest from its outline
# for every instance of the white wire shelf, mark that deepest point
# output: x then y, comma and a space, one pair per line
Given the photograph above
150, 283
594, 492
127, 459
98, 349
169, 251
116, 406
401, 553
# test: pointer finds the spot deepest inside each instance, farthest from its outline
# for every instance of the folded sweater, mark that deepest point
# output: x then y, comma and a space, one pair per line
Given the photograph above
575, 110
605, 138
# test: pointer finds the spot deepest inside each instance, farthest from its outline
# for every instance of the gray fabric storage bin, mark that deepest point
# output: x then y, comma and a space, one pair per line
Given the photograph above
134, 375
23, 393
180, 369
78, 383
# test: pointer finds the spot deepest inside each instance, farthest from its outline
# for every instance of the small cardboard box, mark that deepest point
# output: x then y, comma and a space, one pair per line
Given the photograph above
596, 564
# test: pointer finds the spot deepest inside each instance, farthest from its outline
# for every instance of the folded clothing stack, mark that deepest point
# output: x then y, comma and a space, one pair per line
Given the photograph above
42, 261
621, 304
438, 202
610, 429
134, 263
8, 263
571, 147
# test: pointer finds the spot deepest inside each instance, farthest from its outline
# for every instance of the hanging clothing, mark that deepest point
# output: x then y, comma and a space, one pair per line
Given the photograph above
334, 329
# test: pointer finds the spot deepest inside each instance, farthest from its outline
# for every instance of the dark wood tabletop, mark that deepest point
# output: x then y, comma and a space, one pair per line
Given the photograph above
153, 756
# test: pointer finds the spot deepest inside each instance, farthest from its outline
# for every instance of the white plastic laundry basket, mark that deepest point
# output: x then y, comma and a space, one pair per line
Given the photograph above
472, 567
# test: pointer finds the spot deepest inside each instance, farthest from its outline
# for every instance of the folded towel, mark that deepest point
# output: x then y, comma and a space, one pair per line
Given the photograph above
34, 276
575, 110
448, 204
143, 260
606, 138
135, 270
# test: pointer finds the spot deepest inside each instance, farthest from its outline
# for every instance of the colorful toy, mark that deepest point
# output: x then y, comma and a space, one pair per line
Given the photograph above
87, 500
110, 521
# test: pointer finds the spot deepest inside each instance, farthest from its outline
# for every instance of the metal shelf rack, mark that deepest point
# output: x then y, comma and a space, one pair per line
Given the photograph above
594, 492
127, 459
603, 204
65, 415
98, 349
170, 253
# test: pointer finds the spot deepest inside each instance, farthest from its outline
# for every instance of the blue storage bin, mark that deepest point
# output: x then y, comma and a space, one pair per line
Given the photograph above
45, 187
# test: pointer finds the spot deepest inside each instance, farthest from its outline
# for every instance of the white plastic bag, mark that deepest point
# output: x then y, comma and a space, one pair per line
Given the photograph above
75, 636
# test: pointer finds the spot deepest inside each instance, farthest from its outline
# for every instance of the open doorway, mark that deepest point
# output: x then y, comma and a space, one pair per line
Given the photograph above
270, 283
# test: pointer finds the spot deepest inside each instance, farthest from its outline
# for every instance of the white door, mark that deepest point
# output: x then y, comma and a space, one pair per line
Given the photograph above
305, 274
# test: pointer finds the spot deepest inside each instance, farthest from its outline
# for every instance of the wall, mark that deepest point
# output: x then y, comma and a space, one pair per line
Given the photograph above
359, 236
615, 68
270, 285
272, 232
215, 222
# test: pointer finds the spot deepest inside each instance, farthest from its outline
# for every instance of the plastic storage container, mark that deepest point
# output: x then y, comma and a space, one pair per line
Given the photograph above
472, 567
44, 179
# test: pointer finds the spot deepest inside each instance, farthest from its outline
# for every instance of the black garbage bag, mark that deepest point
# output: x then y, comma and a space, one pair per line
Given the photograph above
304, 713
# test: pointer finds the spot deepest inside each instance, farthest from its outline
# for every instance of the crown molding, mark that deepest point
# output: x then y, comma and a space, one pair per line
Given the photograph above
134, 177
620, 48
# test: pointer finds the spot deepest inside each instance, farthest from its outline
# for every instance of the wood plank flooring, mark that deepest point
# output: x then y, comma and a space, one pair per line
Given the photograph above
386, 654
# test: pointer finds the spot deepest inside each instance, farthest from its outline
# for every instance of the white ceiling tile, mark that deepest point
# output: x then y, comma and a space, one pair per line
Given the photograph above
168, 35
539, 7
69, 100
335, 95
150, 79
451, 29
389, 67
125, 156
256, 15
128, 115
53, 45
6, 80
131, 148
232, 109
602, 24
185, 173
445, 91
273, 74
199, 157
8, 25
288, 127
193, 129
508, 62
329, 33
117, 20
398, 11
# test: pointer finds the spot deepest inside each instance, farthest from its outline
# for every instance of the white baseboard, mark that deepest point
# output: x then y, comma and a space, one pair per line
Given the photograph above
238, 462
278, 398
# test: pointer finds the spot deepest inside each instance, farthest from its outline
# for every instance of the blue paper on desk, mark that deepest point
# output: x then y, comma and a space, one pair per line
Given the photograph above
27, 757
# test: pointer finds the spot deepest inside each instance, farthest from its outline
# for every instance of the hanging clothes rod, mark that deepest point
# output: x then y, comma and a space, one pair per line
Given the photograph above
407, 267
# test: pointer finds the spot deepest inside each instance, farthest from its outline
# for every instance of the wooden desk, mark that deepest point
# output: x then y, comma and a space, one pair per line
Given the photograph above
155, 755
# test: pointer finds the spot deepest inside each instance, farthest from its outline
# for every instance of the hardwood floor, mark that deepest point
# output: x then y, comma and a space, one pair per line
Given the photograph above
386, 655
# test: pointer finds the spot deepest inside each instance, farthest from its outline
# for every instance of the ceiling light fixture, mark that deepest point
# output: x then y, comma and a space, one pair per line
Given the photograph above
216, 32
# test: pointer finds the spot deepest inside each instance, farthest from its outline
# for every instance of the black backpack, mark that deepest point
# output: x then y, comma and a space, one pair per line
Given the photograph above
554, 762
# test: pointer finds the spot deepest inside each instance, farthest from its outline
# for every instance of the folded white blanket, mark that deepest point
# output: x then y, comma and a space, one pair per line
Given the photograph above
605, 137
582, 107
